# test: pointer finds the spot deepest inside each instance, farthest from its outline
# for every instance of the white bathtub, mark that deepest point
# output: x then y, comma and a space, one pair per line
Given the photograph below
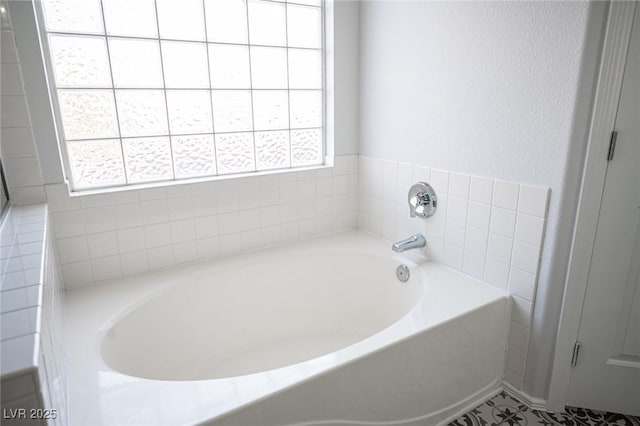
320, 332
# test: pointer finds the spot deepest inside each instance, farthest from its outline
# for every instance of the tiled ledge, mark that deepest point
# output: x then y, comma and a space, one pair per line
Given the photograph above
22, 239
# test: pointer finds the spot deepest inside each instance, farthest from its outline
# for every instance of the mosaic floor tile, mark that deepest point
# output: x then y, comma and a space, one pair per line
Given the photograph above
505, 409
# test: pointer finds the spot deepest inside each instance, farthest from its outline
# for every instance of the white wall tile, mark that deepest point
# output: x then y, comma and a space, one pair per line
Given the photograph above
339, 185
7, 47
206, 226
473, 264
182, 231
161, 225
102, 244
99, 219
513, 378
270, 235
454, 234
479, 215
154, 211
160, 257
290, 231
340, 166
440, 181
421, 174
68, 223
459, 185
185, 252
131, 240
503, 222
269, 216
11, 82
457, 209
249, 219
208, 248
518, 337
230, 244
17, 387
180, 207
288, 192
526, 257
323, 206
128, 215
157, 235
497, 274
405, 174
529, 229
17, 142
340, 203
58, 198
227, 200
516, 360
229, 223
522, 284
128, 196
481, 189
476, 240
533, 200
177, 191
23, 171
435, 249
97, 200
152, 193
505, 194
521, 311
205, 204
499, 248
13, 111
390, 171
251, 239
73, 249
270, 195
27, 195
289, 212
134, 262
106, 268
453, 256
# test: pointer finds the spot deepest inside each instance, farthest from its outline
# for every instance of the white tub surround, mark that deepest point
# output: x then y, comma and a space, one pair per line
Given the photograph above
338, 338
31, 361
111, 235
490, 229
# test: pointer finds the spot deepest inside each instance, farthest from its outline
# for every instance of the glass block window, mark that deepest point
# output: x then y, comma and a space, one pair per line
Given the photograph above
158, 90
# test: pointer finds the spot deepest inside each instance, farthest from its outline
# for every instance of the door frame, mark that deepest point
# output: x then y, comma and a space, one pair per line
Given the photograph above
611, 72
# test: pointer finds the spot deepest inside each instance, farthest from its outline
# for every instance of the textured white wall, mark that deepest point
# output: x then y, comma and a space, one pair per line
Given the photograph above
493, 81
494, 89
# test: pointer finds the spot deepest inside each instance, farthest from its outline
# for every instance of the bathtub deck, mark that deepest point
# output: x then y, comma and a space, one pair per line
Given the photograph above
101, 396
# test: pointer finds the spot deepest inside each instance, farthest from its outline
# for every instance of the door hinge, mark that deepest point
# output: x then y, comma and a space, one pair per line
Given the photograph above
574, 356
612, 145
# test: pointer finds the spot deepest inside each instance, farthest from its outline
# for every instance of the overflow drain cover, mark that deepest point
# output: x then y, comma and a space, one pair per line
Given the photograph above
403, 274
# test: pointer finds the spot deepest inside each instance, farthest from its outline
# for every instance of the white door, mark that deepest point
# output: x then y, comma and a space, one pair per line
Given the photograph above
607, 373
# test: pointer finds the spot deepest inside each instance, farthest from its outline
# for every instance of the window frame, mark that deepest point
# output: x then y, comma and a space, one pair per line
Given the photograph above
327, 115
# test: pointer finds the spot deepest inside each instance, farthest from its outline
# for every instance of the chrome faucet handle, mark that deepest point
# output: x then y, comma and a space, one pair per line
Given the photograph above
422, 200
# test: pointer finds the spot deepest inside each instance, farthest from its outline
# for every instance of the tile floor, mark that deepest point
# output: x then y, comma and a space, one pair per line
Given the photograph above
504, 409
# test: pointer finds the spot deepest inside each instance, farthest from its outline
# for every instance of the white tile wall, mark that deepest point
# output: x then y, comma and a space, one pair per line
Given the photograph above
31, 363
490, 229
101, 237
18, 148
